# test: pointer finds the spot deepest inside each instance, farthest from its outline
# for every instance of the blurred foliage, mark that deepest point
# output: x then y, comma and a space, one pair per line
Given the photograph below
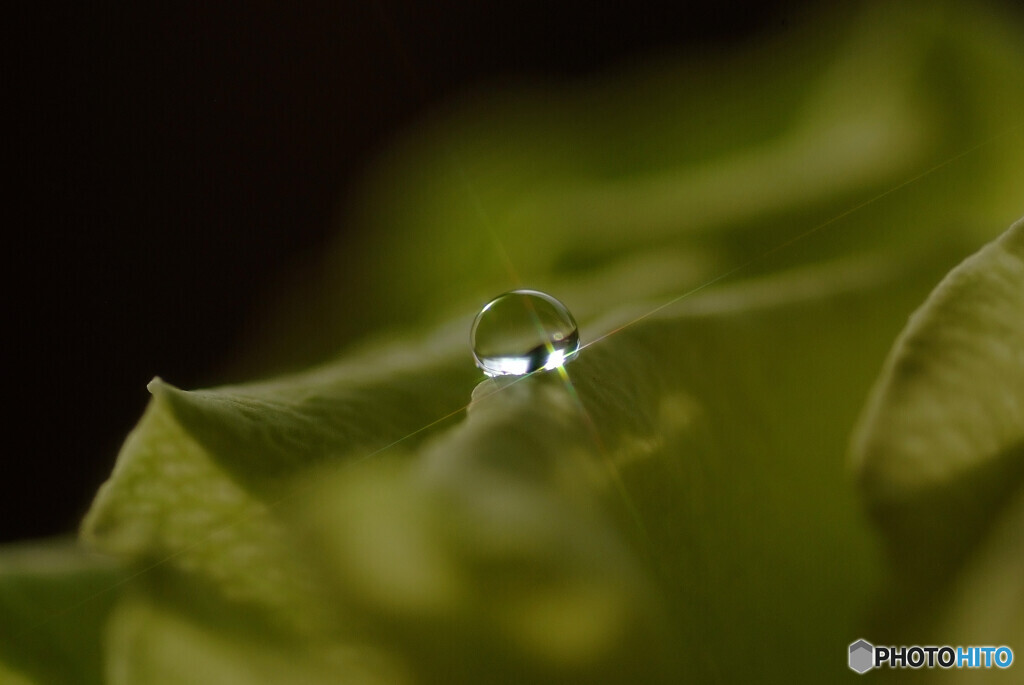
678, 503
940, 454
655, 178
55, 599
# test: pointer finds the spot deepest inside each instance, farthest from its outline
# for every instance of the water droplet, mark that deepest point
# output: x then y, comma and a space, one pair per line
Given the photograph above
523, 331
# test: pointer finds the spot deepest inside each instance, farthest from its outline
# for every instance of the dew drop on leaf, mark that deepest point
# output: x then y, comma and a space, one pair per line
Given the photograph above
523, 331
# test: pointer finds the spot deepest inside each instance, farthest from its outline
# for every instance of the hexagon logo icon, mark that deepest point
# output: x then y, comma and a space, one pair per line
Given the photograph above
862, 656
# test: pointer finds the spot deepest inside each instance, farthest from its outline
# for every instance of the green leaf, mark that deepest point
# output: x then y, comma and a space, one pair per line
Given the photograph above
163, 637
607, 527
940, 448
193, 500
677, 506
54, 601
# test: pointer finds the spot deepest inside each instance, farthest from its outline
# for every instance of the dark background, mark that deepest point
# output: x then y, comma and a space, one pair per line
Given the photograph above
171, 162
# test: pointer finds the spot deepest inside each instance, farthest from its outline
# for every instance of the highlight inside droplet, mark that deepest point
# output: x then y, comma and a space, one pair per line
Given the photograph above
523, 331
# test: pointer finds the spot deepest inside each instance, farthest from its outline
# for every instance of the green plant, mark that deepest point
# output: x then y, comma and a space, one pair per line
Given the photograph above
679, 502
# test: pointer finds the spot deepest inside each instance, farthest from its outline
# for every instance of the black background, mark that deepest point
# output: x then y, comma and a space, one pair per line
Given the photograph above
170, 161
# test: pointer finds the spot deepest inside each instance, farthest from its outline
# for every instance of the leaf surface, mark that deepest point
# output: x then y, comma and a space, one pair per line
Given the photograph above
54, 602
940, 448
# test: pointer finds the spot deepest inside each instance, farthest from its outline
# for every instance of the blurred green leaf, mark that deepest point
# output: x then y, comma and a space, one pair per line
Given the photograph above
158, 636
683, 495
54, 602
662, 175
643, 519
940, 449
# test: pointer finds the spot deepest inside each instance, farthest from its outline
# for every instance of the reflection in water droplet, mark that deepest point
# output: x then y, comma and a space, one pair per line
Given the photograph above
523, 331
